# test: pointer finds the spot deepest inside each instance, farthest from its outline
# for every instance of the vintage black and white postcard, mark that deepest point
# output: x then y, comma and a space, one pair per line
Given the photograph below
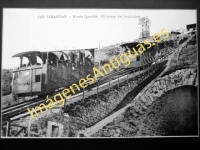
109, 73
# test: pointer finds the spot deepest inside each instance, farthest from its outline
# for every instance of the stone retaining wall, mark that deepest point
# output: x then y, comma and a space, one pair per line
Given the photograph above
164, 84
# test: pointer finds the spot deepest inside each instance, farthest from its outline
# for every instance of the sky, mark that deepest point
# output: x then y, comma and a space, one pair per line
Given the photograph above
31, 29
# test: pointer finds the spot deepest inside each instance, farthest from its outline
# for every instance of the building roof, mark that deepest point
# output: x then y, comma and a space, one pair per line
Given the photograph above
132, 44
58, 53
28, 53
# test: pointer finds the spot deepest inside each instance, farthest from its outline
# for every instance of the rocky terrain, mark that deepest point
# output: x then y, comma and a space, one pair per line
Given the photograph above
6, 99
173, 114
168, 107
6, 81
155, 115
187, 58
87, 113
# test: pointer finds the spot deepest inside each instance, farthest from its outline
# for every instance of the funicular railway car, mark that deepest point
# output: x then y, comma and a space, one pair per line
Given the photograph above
146, 58
150, 55
47, 71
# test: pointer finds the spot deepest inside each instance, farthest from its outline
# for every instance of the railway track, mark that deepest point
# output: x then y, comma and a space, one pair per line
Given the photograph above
20, 110
35, 100
38, 99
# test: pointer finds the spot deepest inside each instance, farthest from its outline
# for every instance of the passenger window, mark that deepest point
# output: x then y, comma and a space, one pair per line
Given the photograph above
37, 78
37, 75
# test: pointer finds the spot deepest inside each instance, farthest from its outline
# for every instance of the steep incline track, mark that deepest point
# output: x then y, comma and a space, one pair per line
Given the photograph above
20, 110
91, 130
